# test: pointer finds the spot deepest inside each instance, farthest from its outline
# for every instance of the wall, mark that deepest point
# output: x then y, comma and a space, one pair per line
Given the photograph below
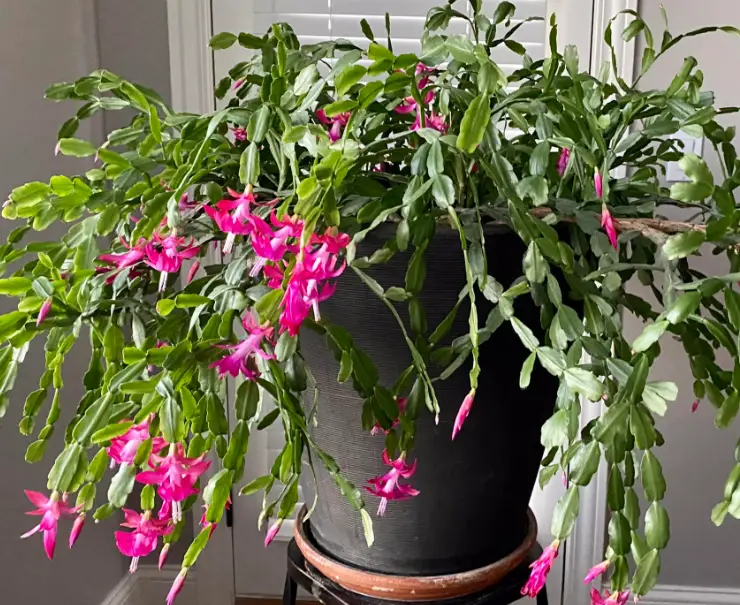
696, 457
43, 41
133, 42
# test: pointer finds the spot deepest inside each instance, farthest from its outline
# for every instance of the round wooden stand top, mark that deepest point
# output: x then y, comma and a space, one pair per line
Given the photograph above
412, 588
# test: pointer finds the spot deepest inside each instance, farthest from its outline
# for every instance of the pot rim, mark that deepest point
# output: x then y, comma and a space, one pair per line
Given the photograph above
412, 588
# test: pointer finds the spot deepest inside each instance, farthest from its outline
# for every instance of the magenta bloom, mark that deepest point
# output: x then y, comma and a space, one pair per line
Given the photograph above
617, 598
434, 121
237, 362
275, 276
135, 255
563, 161
166, 255
143, 540
122, 450
540, 568
52, 510
240, 133
177, 586
598, 184
463, 412
337, 123
272, 245
176, 476
596, 571
76, 529
607, 222
694, 406
387, 487
401, 402
301, 296
272, 532
234, 216
44, 311
308, 285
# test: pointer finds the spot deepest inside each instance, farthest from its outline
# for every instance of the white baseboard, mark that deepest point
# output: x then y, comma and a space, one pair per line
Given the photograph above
666, 594
149, 586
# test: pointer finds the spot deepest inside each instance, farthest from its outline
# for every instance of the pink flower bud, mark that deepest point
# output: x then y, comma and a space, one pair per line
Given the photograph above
76, 529
44, 311
272, 532
695, 406
598, 184
163, 556
58, 148
192, 271
596, 571
463, 412
607, 222
177, 586
563, 161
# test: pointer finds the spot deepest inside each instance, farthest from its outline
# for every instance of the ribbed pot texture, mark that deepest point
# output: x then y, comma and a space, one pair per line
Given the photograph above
474, 491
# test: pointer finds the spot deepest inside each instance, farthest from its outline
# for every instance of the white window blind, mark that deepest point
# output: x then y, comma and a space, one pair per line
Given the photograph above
318, 20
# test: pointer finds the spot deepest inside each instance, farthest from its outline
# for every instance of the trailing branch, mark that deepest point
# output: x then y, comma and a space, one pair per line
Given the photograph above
643, 225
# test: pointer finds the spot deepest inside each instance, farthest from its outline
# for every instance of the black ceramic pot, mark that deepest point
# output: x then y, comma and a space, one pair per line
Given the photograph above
474, 492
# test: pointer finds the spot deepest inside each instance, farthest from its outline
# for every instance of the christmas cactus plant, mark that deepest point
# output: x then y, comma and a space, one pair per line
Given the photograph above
200, 245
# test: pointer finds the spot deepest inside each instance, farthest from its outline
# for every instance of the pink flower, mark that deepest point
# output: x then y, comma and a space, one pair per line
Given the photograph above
76, 529
166, 255
463, 412
234, 216
272, 532
52, 510
540, 568
44, 311
387, 486
409, 104
272, 245
177, 586
423, 69
243, 352
337, 123
401, 402
240, 133
134, 256
176, 476
308, 285
433, 121
617, 598
143, 540
694, 406
275, 276
122, 449
563, 161
301, 296
598, 183
238, 84
607, 222
192, 271
436, 121
596, 571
